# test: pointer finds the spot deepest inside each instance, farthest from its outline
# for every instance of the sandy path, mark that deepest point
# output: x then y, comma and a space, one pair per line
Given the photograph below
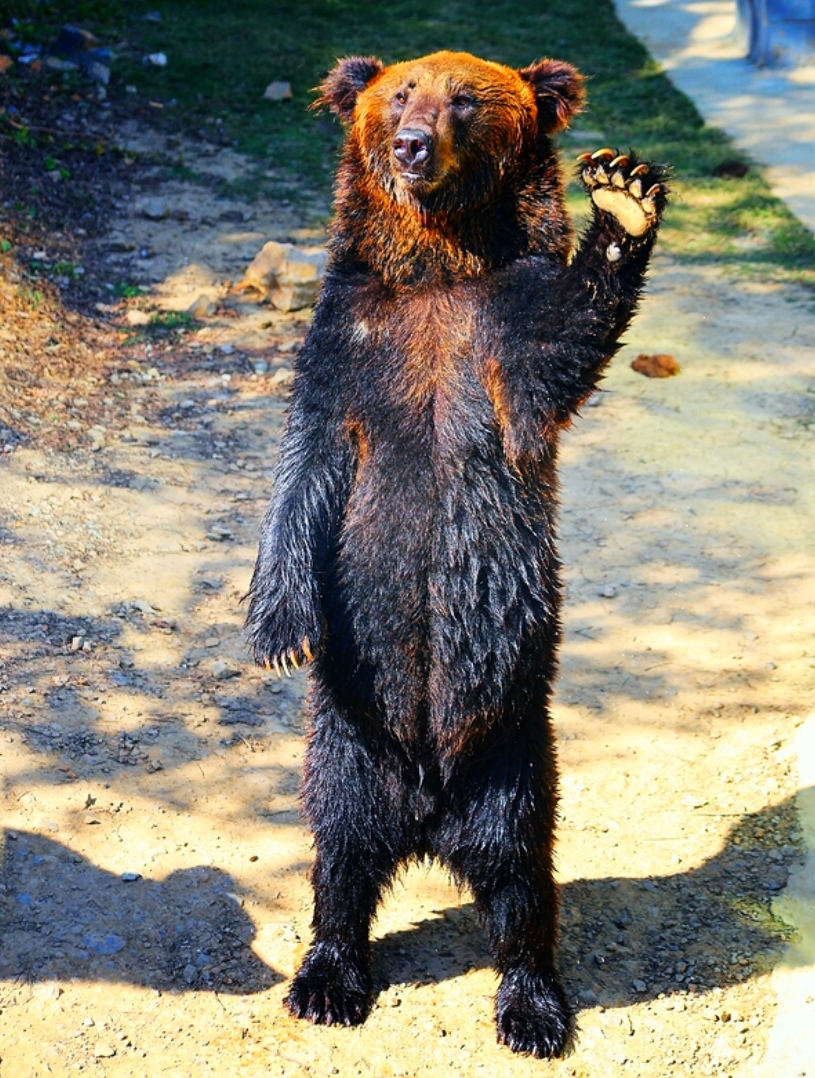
155, 894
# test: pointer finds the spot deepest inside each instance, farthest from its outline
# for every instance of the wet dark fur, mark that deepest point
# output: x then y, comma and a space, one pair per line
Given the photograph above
410, 540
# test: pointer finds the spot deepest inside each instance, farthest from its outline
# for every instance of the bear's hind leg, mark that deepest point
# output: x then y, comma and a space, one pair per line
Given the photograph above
358, 846
501, 844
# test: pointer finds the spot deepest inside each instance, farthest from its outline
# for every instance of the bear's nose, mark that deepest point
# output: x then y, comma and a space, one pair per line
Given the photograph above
412, 146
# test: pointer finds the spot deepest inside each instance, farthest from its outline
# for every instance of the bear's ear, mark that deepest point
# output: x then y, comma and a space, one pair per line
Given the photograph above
559, 91
349, 78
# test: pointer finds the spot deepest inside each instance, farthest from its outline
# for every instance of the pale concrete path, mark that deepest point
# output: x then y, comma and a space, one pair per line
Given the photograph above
770, 113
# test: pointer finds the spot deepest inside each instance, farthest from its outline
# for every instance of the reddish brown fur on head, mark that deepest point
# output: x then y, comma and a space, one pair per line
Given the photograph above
449, 122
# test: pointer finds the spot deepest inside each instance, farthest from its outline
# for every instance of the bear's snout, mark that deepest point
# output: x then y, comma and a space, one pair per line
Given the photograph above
412, 149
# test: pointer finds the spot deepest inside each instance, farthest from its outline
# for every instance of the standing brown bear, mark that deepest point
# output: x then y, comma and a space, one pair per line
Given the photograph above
409, 548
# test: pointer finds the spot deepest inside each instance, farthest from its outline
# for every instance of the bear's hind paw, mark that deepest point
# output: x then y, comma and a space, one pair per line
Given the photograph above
633, 193
331, 989
531, 1015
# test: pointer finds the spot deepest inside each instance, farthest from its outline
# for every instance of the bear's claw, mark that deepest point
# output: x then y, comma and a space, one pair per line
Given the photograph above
332, 988
295, 657
633, 193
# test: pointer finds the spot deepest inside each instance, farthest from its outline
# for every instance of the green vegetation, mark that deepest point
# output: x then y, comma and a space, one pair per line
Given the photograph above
221, 58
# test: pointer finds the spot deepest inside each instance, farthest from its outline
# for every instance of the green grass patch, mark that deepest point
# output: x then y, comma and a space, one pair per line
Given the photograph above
221, 58
171, 320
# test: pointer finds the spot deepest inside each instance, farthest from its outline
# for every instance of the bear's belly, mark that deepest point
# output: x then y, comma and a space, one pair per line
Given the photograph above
446, 570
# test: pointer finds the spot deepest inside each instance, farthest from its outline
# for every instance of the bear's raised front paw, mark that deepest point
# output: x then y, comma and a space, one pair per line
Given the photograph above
532, 1016
633, 193
333, 988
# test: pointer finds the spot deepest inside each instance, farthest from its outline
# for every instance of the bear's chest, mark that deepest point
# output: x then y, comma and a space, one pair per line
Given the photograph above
416, 367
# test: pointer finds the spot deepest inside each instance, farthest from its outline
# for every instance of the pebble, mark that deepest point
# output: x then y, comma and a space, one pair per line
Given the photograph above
640, 986
130, 877
282, 376
203, 307
104, 1051
277, 91
608, 591
222, 671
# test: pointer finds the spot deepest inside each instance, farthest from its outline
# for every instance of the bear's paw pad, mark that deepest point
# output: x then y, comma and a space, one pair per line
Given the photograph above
330, 990
532, 1017
633, 193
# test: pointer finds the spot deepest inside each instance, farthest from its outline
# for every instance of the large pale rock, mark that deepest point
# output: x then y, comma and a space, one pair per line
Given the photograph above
288, 276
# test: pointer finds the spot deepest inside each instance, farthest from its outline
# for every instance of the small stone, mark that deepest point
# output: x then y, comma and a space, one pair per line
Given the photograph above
283, 376
608, 591
277, 91
135, 317
223, 671
203, 307
640, 986
130, 877
154, 209
155, 59
76, 643
104, 1051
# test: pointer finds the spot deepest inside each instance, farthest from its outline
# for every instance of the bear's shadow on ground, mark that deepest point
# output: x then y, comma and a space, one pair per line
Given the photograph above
626, 940
63, 917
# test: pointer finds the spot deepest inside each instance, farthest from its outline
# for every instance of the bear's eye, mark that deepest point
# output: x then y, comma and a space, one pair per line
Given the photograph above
400, 98
463, 102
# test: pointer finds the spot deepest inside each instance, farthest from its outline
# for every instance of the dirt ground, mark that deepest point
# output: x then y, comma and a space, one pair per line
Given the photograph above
155, 896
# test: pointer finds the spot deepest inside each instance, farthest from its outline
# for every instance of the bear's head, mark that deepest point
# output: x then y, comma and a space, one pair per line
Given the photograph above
449, 130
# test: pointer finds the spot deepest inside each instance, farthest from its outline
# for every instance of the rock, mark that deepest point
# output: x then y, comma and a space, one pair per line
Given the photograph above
289, 276
55, 64
223, 671
104, 1051
282, 376
135, 317
219, 533
80, 47
5, 63
203, 307
105, 945
130, 877
155, 209
277, 91
155, 59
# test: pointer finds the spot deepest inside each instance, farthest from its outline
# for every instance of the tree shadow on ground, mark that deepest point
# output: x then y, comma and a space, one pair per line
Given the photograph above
63, 917
626, 940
